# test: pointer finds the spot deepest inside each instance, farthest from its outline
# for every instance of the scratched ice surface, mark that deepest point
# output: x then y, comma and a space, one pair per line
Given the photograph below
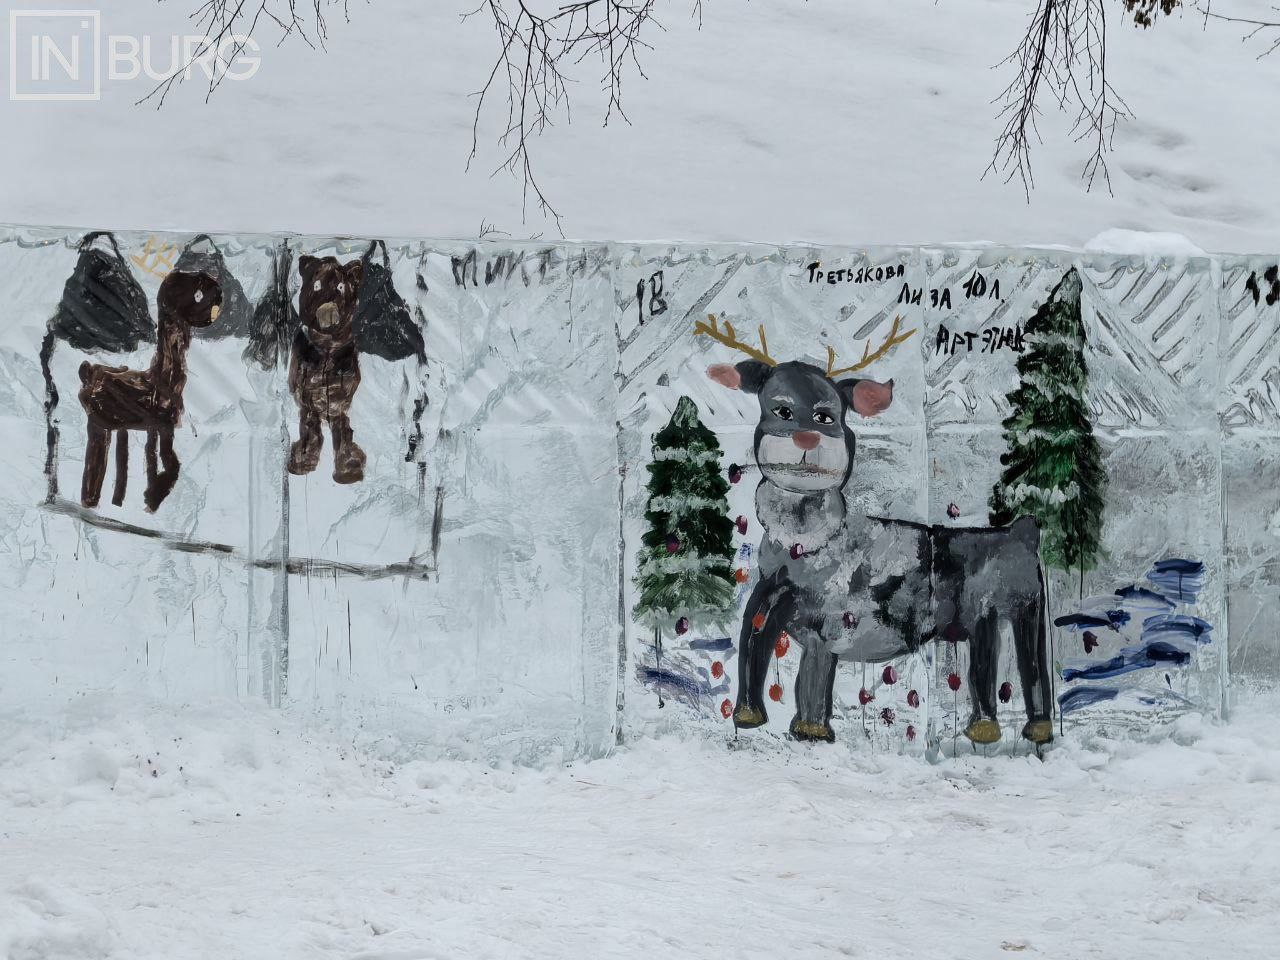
978, 302
1153, 333
1153, 330
510, 647
93, 606
1250, 345
1163, 504
386, 517
1151, 349
787, 290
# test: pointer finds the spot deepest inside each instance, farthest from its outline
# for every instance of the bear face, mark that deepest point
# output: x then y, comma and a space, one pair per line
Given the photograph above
192, 298
327, 302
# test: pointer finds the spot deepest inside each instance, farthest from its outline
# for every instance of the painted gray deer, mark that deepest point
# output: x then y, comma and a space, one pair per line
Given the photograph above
866, 588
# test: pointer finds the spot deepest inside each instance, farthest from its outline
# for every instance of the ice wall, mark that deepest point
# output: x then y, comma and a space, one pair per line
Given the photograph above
473, 593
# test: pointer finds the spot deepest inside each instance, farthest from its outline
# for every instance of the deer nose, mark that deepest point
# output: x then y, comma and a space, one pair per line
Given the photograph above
806, 439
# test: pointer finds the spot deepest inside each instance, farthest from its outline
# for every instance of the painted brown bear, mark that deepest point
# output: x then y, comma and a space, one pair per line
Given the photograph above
324, 366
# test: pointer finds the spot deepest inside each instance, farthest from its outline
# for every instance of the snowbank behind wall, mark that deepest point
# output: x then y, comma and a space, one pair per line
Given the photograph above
459, 577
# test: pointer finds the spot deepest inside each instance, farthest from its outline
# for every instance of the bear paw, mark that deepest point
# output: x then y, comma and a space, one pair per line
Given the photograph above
349, 463
303, 458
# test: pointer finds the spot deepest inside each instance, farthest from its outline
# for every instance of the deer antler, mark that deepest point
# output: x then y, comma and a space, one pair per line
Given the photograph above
868, 357
155, 259
729, 338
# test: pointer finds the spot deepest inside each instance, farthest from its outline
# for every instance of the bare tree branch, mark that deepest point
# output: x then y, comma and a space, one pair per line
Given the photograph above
1062, 57
536, 52
1259, 27
230, 26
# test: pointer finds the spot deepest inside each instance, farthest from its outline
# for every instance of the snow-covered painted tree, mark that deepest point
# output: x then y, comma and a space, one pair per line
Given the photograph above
685, 574
1053, 469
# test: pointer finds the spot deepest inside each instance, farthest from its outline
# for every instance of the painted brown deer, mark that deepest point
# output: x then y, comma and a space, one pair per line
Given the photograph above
865, 588
118, 399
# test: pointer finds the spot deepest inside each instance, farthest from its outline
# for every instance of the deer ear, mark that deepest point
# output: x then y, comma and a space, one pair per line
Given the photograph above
355, 272
867, 397
725, 374
307, 265
748, 376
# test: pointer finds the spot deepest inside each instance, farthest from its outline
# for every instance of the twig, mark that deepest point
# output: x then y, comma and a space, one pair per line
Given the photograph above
536, 51
235, 23
1259, 26
1063, 56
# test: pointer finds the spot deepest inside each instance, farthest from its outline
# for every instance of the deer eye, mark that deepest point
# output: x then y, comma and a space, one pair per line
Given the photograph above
822, 417
316, 286
342, 288
199, 296
783, 413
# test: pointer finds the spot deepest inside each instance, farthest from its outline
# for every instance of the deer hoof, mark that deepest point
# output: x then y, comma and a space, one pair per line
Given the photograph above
748, 718
982, 730
1038, 731
806, 730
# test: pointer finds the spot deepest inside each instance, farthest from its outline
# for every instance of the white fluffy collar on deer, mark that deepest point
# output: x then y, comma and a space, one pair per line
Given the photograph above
795, 523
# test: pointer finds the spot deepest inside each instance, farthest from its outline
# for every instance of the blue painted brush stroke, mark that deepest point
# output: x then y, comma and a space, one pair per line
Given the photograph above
1190, 568
674, 682
1178, 579
1081, 621
1128, 660
1079, 697
1177, 628
1140, 598
711, 643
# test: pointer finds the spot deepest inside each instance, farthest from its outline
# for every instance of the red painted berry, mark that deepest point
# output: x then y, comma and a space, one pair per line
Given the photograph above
717, 670
682, 626
673, 544
757, 622
913, 699
1090, 641
889, 675
742, 525
797, 551
953, 511
849, 620
887, 716
735, 473
953, 681
864, 696
726, 708
782, 646
775, 693
1006, 692
740, 575
911, 732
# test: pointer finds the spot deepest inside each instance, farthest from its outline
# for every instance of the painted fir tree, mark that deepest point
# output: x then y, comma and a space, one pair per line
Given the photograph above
1053, 469
685, 575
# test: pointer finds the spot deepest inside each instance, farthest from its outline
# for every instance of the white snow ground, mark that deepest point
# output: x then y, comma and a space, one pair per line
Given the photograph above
139, 831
